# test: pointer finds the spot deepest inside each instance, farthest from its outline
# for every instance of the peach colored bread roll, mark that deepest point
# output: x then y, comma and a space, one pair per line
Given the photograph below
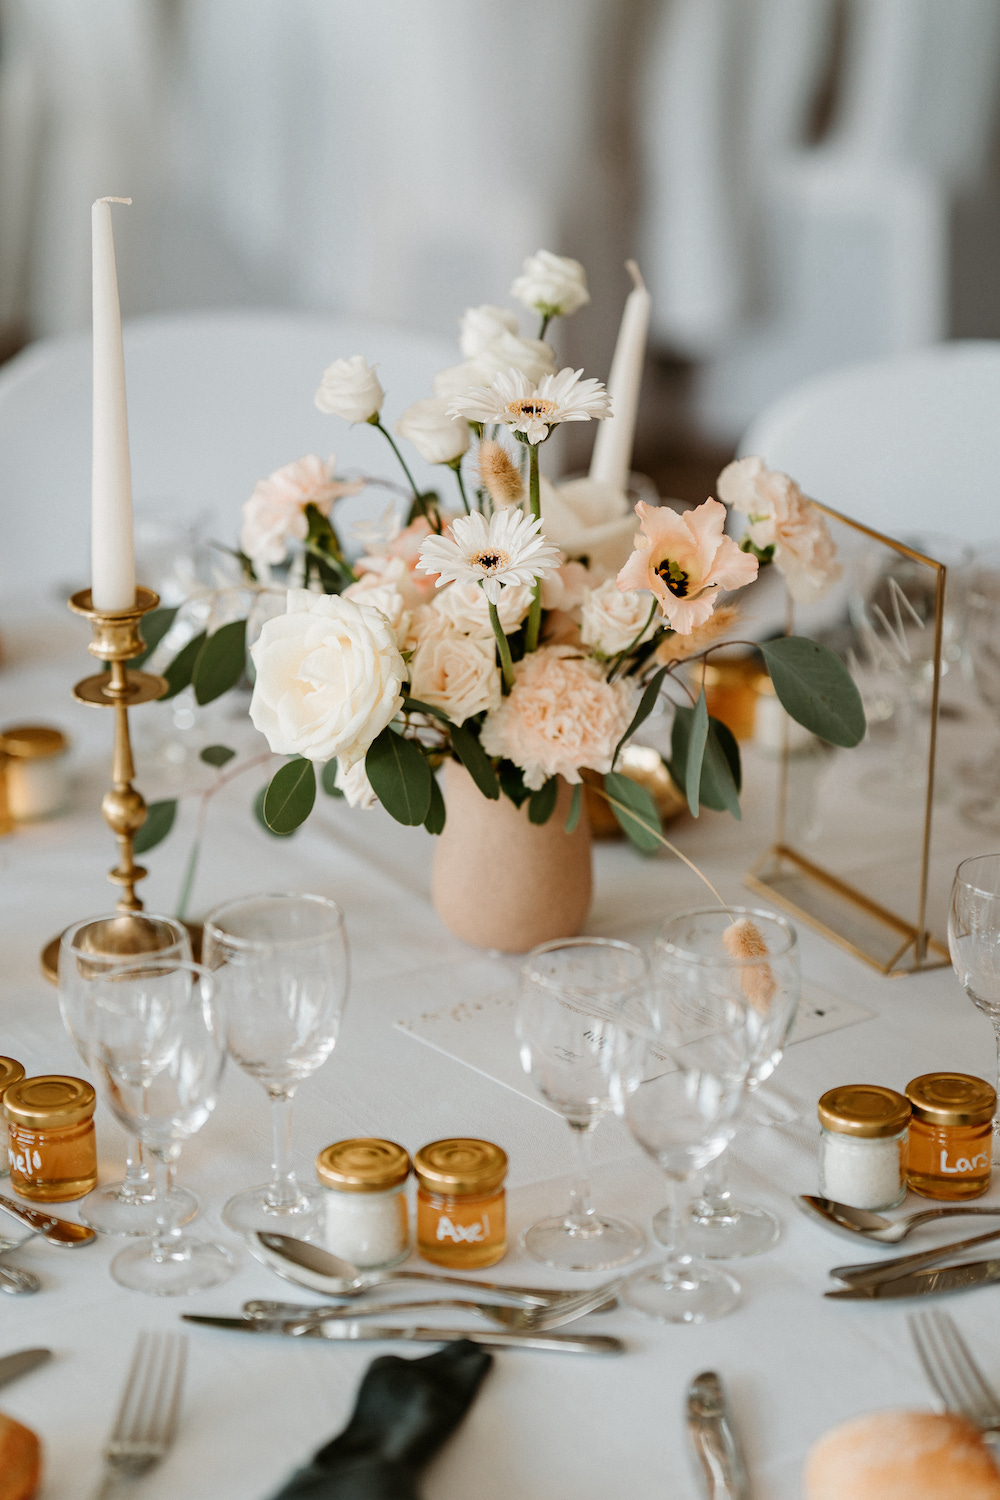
902, 1455
20, 1460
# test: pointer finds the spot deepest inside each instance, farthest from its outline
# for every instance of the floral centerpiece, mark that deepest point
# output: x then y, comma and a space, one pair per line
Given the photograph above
462, 633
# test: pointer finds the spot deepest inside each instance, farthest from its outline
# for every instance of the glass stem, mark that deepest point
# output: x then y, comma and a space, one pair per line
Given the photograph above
581, 1211
137, 1174
678, 1258
715, 1196
167, 1239
284, 1191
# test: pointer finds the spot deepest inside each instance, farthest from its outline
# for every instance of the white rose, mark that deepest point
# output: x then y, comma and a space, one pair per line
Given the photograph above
350, 389
553, 285
466, 607
382, 593
532, 357
591, 519
612, 618
481, 325
457, 673
354, 784
438, 438
328, 680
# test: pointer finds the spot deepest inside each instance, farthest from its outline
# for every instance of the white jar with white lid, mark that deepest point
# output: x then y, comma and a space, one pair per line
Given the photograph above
366, 1220
863, 1145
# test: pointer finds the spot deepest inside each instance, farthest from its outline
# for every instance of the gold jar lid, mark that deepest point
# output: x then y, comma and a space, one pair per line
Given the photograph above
865, 1110
951, 1099
50, 1101
32, 741
461, 1165
364, 1165
11, 1071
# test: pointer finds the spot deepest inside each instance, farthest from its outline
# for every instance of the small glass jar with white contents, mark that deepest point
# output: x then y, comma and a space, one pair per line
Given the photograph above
366, 1221
863, 1145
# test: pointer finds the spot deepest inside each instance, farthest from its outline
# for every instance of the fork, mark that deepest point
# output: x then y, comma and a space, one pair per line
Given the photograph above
296, 1319
147, 1417
952, 1371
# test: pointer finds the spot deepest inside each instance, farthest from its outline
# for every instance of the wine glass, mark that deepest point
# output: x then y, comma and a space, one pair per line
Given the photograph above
682, 1058
282, 969
570, 993
983, 635
87, 949
156, 1042
720, 1229
974, 938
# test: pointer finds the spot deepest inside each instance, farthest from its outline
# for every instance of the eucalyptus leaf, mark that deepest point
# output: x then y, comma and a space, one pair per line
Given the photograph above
575, 808
290, 795
435, 819
178, 674
697, 739
646, 705
328, 779
153, 627
400, 777
415, 706
512, 783
475, 760
635, 810
542, 803
220, 664
159, 821
258, 812
720, 770
814, 686
216, 755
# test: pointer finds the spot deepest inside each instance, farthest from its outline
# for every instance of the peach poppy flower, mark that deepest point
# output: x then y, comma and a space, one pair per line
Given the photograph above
685, 560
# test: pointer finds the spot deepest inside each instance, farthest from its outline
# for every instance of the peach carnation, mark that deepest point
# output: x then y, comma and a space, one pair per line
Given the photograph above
275, 512
561, 715
780, 516
685, 560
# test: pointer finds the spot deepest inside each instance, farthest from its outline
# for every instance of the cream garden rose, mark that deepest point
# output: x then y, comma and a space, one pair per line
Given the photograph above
328, 678
382, 591
553, 285
457, 673
437, 437
350, 389
610, 620
357, 789
466, 607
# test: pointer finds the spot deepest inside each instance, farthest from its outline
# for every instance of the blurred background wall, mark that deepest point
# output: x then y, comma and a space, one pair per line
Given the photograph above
804, 182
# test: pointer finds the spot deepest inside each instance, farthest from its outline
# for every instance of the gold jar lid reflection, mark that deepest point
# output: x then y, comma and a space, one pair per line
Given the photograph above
11, 1071
49, 1102
460, 1165
951, 1099
363, 1165
863, 1110
32, 741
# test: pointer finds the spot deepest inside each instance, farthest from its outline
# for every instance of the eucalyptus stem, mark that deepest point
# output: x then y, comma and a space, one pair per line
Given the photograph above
434, 520
503, 646
616, 803
457, 466
535, 501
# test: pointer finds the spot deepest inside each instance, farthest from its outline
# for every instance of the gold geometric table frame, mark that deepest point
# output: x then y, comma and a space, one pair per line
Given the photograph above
830, 904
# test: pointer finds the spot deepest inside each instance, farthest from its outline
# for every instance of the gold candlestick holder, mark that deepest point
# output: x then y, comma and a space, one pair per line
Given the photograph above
116, 641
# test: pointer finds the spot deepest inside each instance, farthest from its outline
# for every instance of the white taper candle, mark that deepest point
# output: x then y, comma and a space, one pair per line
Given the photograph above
612, 457
112, 557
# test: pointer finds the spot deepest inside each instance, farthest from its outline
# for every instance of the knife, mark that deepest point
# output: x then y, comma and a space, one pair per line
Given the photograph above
722, 1468
14, 1365
57, 1231
955, 1278
357, 1332
871, 1271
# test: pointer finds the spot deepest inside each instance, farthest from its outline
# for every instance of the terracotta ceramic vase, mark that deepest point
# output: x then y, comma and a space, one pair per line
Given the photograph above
500, 881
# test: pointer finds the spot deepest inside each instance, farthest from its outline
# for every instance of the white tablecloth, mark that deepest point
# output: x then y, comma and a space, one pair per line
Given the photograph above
544, 1427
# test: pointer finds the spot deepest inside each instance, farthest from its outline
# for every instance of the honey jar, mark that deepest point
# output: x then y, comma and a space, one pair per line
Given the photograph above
461, 1204
951, 1135
10, 1072
52, 1148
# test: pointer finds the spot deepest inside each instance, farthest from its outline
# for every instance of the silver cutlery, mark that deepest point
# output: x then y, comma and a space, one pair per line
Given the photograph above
13, 1366
526, 1319
353, 1331
147, 1417
952, 1371
18, 1283
868, 1273
955, 1278
310, 1266
722, 1469
62, 1232
843, 1219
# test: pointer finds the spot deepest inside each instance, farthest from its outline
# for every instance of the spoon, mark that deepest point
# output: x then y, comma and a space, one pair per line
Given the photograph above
62, 1232
12, 1278
843, 1219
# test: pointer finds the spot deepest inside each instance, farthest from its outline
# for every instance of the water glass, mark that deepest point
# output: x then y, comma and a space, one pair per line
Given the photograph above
974, 938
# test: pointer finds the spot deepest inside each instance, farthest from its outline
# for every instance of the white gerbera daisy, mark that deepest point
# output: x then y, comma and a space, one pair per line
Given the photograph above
504, 551
531, 410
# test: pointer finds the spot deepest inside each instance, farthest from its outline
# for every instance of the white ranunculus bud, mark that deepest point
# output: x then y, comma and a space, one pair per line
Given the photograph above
350, 389
354, 784
532, 357
456, 673
438, 438
328, 678
481, 325
612, 619
553, 285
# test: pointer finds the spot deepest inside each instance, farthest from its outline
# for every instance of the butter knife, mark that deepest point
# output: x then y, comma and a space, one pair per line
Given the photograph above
924, 1283
722, 1469
872, 1271
357, 1332
12, 1366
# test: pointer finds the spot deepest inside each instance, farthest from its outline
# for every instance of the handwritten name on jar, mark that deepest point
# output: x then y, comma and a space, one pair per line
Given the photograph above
461, 1204
950, 1142
11, 1071
52, 1149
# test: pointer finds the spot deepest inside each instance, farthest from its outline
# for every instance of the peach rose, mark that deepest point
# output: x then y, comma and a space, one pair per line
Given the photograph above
780, 516
685, 560
561, 714
456, 673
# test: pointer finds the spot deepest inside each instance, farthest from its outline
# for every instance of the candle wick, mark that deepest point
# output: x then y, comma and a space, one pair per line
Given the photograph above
632, 267
114, 200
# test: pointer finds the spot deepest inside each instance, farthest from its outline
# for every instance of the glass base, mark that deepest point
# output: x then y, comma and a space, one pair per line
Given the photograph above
732, 1233
252, 1211
110, 1210
195, 1266
603, 1244
685, 1293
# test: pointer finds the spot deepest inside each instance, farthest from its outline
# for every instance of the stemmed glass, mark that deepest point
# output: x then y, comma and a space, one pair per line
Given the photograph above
570, 994
102, 945
720, 1229
974, 938
682, 1058
282, 969
984, 653
156, 1043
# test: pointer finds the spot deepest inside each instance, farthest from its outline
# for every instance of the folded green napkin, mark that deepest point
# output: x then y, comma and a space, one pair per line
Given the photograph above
406, 1409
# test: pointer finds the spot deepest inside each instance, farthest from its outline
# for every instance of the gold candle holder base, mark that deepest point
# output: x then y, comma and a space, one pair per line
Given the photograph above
116, 640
